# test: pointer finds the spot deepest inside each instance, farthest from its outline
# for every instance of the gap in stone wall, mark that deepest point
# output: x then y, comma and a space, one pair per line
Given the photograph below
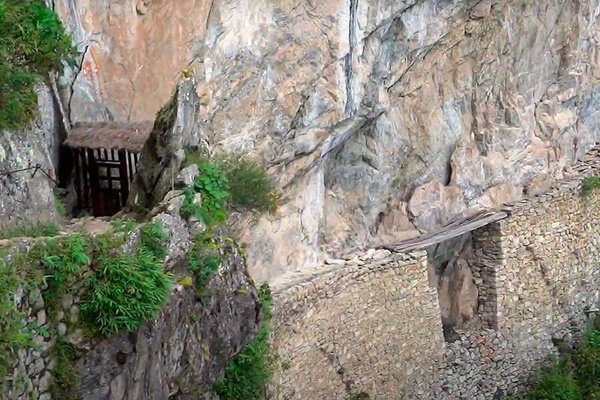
449, 268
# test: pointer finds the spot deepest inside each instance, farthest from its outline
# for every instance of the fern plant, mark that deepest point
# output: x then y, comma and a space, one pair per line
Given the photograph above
128, 289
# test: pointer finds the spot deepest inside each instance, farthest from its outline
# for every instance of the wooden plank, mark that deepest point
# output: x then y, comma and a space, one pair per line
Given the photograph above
97, 204
86, 183
130, 165
448, 232
123, 177
78, 188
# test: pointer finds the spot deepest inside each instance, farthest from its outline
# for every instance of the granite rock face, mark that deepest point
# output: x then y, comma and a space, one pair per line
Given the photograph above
416, 111
175, 129
178, 355
185, 350
26, 196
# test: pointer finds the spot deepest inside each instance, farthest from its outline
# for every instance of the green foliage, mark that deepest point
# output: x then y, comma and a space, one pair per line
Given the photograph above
574, 377
13, 332
63, 260
32, 43
61, 208
189, 208
231, 180
123, 226
590, 185
587, 360
128, 289
557, 383
60, 260
64, 374
247, 374
34, 231
123, 291
250, 186
212, 184
204, 260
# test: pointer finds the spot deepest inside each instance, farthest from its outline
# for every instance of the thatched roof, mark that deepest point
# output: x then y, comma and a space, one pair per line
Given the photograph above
129, 136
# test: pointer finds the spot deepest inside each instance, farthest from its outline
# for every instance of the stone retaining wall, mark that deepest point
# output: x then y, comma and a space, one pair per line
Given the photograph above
375, 328
372, 328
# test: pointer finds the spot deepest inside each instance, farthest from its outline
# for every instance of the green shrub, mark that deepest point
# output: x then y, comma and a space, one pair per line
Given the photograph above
574, 377
212, 184
246, 374
590, 185
128, 289
64, 375
32, 43
250, 186
34, 231
587, 360
205, 259
62, 261
13, 332
557, 383
189, 208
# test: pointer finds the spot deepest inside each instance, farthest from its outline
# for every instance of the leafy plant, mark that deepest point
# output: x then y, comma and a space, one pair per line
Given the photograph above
250, 186
575, 376
212, 184
246, 374
34, 231
64, 374
590, 185
128, 289
63, 260
13, 331
205, 259
32, 43
189, 208
557, 383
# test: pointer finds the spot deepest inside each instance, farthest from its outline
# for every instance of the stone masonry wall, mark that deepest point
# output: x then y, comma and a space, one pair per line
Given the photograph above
547, 275
371, 325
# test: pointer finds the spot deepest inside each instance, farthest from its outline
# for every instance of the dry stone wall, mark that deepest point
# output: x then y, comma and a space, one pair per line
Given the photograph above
372, 324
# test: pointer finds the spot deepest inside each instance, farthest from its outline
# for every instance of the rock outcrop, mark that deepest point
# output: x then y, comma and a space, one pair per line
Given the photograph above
26, 193
179, 354
185, 350
416, 111
174, 131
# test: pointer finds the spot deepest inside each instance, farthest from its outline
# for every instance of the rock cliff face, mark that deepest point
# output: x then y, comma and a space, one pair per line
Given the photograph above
179, 354
380, 119
26, 195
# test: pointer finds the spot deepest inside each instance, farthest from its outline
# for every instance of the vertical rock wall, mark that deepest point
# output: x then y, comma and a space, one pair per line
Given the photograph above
25, 199
378, 118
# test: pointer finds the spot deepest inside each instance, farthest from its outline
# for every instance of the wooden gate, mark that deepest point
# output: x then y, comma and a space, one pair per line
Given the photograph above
106, 156
102, 179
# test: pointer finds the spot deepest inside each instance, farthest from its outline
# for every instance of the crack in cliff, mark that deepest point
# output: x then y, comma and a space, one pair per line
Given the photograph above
75, 77
349, 107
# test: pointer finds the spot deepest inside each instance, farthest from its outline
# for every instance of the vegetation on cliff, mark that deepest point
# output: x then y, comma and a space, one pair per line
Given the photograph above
120, 281
589, 185
33, 43
247, 374
232, 181
574, 376
120, 290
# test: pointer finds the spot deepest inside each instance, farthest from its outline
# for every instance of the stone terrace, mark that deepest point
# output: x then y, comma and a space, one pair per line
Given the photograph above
372, 325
